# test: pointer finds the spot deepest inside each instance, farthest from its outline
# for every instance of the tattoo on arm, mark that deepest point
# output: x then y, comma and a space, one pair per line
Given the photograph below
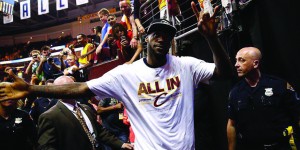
74, 90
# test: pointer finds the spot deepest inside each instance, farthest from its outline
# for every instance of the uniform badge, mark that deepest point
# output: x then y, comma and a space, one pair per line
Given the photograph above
268, 92
18, 120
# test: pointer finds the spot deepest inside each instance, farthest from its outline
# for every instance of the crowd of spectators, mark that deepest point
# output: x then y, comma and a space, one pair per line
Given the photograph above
116, 39
22, 50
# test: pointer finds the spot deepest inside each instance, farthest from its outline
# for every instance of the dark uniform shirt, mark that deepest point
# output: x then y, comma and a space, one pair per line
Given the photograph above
39, 106
17, 132
262, 113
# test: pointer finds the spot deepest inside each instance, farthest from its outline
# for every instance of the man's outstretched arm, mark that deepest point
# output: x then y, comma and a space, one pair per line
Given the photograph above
207, 27
20, 89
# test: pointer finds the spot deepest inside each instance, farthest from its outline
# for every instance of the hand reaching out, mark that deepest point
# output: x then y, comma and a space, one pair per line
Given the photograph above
15, 90
206, 23
133, 43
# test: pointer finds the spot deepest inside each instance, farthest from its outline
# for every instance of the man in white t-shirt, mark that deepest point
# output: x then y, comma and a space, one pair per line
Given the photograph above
157, 91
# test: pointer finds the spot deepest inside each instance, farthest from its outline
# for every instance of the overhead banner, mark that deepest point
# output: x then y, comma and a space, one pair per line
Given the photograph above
25, 10
8, 19
80, 2
7, 7
43, 7
61, 4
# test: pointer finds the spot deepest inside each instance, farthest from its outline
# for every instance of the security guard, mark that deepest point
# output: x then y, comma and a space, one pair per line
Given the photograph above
261, 107
17, 130
39, 106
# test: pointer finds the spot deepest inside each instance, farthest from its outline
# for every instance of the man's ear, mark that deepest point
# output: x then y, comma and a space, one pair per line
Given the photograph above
256, 63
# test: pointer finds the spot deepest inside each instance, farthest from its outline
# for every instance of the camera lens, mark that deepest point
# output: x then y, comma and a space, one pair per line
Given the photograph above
50, 59
71, 46
123, 37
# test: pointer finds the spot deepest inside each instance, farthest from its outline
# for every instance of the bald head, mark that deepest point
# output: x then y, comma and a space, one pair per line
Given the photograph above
248, 61
251, 52
63, 80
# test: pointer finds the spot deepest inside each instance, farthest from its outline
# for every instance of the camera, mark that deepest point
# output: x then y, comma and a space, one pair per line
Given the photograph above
49, 59
123, 38
65, 53
72, 46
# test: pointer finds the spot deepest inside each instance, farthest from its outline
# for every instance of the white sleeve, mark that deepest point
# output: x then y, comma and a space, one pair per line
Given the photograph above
107, 85
201, 71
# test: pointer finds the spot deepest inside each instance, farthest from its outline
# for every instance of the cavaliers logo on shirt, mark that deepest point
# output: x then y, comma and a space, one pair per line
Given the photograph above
159, 92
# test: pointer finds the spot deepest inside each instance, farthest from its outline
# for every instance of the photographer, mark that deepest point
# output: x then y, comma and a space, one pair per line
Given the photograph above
128, 54
72, 68
34, 63
63, 56
48, 65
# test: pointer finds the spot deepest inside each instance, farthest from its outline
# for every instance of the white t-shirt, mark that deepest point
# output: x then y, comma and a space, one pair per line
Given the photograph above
159, 101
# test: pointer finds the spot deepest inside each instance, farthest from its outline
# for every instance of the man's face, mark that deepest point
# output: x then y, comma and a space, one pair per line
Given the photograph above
244, 63
45, 52
111, 20
119, 32
102, 17
70, 60
35, 55
125, 8
159, 42
80, 39
94, 31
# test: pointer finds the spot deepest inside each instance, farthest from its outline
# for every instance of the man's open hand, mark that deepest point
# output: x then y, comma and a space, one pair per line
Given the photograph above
206, 24
15, 90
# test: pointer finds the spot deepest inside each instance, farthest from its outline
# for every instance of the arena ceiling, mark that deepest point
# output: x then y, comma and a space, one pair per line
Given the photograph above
54, 17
